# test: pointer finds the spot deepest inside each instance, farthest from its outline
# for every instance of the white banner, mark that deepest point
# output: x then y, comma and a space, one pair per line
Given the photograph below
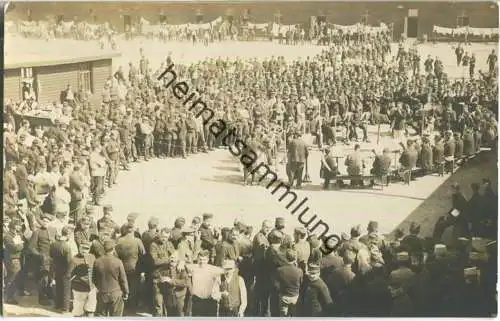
483, 32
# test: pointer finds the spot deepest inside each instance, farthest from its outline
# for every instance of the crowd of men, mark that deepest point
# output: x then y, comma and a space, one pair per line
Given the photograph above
55, 178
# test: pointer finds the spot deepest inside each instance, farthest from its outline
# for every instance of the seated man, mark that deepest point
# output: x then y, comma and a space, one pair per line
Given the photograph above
381, 164
353, 163
329, 168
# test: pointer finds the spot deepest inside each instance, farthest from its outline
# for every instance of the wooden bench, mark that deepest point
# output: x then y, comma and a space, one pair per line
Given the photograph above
379, 181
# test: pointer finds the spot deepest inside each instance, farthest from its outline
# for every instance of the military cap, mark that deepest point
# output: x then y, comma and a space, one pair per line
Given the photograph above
280, 222
109, 246
372, 226
179, 222
108, 208
356, 231
300, 230
207, 216
153, 221
132, 216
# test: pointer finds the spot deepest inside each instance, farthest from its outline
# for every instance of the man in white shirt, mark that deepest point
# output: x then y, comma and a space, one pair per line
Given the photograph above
230, 292
203, 277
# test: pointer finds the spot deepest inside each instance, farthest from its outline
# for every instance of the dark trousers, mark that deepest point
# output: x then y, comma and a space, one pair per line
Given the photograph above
203, 307
45, 290
62, 291
97, 187
170, 146
109, 304
14, 278
295, 172
133, 285
228, 312
262, 294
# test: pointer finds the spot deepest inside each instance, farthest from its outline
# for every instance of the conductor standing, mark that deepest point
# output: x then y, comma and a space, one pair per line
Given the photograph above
297, 156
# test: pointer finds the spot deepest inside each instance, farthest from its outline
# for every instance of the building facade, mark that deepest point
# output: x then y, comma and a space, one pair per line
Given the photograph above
46, 79
417, 16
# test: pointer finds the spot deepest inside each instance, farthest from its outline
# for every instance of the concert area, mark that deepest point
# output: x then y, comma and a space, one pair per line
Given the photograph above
122, 200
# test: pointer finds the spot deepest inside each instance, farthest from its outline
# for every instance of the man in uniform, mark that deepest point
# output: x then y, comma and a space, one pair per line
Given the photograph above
112, 152
13, 254
109, 277
98, 171
260, 246
297, 156
106, 222
175, 283
287, 283
302, 248
39, 245
208, 235
228, 249
315, 299
279, 225
76, 189
129, 249
60, 253
159, 254
381, 164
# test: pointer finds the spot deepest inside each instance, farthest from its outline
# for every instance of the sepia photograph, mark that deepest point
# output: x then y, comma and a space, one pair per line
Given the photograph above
250, 159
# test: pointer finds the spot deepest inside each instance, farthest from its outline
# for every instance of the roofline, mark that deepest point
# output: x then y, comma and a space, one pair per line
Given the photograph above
64, 61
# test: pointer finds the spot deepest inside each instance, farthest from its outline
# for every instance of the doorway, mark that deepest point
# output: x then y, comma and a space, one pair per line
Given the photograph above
127, 22
412, 27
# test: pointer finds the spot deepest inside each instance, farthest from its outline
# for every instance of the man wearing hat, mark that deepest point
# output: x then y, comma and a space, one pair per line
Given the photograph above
315, 299
287, 282
373, 237
39, 245
302, 247
76, 190
399, 282
230, 292
60, 253
174, 284
260, 246
159, 255
131, 222
188, 247
297, 156
13, 254
176, 233
110, 280
129, 249
227, 248
279, 225
82, 285
208, 235
106, 222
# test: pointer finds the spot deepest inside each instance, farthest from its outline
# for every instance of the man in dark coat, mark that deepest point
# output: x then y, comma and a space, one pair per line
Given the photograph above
13, 254
297, 157
160, 252
129, 249
39, 245
315, 299
175, 283
287, 282
111, 282
22, 177
208, 235
260, 246
61, 255
76, 188
329, 168
381, 164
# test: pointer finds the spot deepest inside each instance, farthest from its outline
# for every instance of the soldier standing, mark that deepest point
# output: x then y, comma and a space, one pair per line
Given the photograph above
129, 249
84, 291
175, 285
109, 277
208, 235
315, 299
13, 255
61, 255
160, 252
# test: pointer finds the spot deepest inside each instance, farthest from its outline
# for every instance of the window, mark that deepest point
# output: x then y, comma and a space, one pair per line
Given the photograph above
85, 77
163, 18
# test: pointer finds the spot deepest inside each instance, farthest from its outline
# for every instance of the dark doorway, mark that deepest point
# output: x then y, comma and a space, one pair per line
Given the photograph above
127, 22
163, 18
412, 27
463, 21
230, 18
199, 18
60, 18
321, 18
